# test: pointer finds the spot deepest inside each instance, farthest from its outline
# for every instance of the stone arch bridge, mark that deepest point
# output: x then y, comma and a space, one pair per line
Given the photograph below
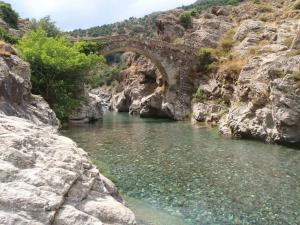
177, 63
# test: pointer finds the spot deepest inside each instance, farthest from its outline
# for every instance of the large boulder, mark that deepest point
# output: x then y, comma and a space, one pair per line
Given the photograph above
46, 179
15, 93
248, 27
207, 31
90, 110
105, 95
207, 112
151, 106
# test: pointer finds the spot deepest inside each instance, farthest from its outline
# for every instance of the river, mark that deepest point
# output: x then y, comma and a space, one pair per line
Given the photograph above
176, 173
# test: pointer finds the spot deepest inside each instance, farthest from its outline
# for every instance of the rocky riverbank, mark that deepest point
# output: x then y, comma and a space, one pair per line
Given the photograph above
255, 92
44, 177
251, 90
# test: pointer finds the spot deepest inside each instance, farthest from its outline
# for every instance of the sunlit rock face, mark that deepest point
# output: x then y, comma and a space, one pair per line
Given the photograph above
15, 92
138, 84
90, 110
262, 100
267, 100
44, 177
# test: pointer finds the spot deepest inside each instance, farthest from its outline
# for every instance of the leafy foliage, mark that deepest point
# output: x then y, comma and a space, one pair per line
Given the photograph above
199, 95
89, 47
185, 19
206, 56
58, 69
8, 14
132, 26
5, 36
106, 77
47, 25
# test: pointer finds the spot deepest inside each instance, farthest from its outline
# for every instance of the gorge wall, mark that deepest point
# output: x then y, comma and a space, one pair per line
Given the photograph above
252, 88
44, 177
255, 91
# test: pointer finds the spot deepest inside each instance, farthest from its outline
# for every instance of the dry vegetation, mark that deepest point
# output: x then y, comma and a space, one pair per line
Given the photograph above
6, 49
297, 5
296, 76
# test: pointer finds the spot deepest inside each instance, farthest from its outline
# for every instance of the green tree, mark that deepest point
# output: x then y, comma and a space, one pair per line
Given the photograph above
47, 25
89, 47
58, 69
8, 14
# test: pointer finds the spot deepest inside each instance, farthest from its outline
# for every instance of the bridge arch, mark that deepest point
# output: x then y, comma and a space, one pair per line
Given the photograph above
153, 59
177, 64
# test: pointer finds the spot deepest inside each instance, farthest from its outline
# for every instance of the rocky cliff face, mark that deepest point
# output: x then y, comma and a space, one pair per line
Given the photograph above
44, 177
140, 88
90, 110
262, 100
252, 90
15, 90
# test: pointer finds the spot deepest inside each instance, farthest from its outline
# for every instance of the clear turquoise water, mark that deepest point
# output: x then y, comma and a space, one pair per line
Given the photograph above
179, 174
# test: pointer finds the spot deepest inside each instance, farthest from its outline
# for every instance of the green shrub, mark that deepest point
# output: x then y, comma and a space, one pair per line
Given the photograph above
8, 14
232, 2
47, 25
297, 5
106, 77
89, 47
185, 19
5, 36
194, 12
178, 41
206, 56
199, 95
226, 43
58, 69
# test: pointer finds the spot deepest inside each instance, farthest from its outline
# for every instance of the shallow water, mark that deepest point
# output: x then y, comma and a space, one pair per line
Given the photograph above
174, 173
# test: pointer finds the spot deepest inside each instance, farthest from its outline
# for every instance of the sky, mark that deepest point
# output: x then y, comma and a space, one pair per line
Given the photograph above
73, 14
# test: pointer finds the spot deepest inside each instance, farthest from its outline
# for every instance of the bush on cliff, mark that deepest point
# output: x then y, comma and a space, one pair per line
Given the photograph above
185, 19
5, 36
58, 69
8, 14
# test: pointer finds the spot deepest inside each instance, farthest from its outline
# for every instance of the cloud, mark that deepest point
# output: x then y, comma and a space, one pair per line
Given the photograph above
71, 14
